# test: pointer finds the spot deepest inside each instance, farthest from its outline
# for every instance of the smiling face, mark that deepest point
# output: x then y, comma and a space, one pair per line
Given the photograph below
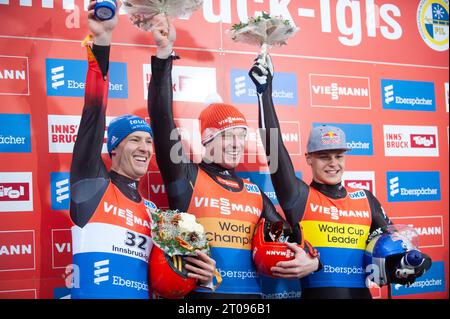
327, 166
132, 156
227, 147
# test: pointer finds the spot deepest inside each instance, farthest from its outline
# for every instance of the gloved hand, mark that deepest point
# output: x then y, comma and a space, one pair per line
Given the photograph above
405, 275
261, 72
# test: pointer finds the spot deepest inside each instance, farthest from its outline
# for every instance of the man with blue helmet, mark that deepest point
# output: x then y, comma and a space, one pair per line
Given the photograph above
111, 232
338, 221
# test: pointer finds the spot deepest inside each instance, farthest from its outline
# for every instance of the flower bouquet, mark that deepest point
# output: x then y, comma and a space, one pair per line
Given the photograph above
264, 31
178, 233
141, 12
175, 235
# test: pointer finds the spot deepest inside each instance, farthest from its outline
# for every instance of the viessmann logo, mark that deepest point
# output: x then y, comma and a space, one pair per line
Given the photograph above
243, 91
411, 141
68, 78
63, 130
408, 95
338, 91
17, 250
413, 186
429, 228
16, 192
189, 84
14, 75
61, 248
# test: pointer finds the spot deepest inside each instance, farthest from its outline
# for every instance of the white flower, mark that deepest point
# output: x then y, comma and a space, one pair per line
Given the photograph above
188, 224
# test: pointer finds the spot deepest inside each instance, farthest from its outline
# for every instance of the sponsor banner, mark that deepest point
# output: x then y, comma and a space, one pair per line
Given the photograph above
61, 293
62, 133
358, 136
17, 250
189, 84
413, 186
228, 233
432, 21
16, 192
15, 133
237, 277
276, 288
416, 141
408, 95
359, 180
18, 294
327, 234
60, 190
14, 75
290, 135
336, 268
338, 91
157, 189
432, 281
61, 248
109, 275
429, 228
68, 78
446, 96
262, 179
284, 88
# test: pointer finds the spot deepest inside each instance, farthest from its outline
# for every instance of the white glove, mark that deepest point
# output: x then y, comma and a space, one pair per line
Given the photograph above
261, 72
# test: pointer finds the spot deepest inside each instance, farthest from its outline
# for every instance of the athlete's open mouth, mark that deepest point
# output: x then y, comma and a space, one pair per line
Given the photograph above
141, 159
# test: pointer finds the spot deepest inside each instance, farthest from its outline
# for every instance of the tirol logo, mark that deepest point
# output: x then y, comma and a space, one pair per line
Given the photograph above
14, 77
243, 91
17, 250
411, 141
432, 281
359, 180
16, 192
60, 183
408, 95
432, 21
338, 91
15, 136
63, 130
413, 186
429, 228
61, 248
264, 182
65, 79
189, 84
358, 137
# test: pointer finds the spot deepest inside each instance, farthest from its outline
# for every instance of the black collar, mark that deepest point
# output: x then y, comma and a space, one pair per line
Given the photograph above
129, 187
333, 191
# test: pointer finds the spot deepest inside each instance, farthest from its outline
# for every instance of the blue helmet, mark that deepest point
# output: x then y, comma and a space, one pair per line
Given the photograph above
384, 249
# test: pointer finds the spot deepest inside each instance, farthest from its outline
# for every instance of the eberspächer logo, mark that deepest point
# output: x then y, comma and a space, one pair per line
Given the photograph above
413, 186
408, 95
68, 78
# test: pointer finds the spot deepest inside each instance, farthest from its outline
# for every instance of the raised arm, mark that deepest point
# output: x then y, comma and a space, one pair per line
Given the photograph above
176, 169
87, 164
291, 191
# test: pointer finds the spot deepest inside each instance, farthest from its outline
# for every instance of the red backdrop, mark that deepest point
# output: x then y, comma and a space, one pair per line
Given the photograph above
379, 68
